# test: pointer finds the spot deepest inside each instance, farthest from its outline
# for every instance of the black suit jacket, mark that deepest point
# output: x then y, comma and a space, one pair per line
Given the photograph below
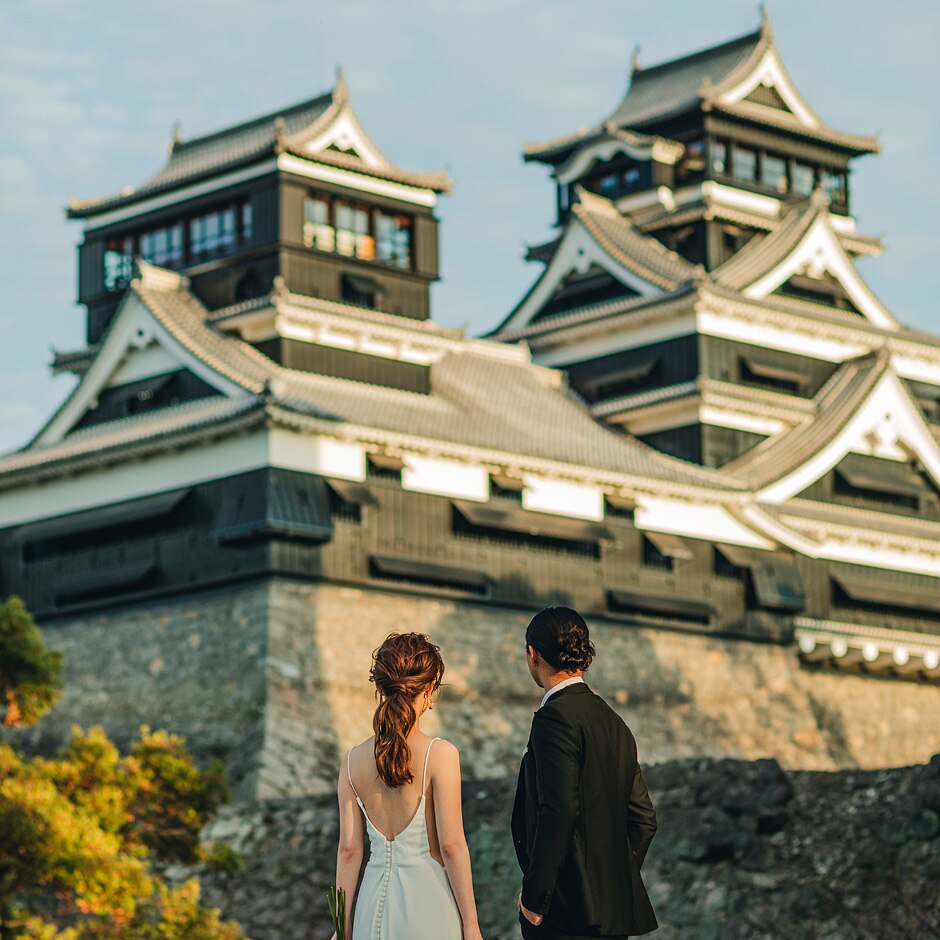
582, 820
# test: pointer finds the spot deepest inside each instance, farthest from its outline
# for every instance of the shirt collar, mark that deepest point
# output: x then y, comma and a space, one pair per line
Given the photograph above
561, 685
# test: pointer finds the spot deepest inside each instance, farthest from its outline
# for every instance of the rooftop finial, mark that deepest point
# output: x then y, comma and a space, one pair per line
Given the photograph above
339, 88
766, 29
176, 137
635, 59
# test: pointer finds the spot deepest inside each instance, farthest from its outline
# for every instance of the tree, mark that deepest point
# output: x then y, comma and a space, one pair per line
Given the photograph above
80, 833
30, 674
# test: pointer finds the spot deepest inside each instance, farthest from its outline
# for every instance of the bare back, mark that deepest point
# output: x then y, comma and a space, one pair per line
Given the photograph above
391, 810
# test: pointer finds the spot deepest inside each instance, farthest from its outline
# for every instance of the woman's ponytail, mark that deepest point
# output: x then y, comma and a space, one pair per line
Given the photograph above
402, 668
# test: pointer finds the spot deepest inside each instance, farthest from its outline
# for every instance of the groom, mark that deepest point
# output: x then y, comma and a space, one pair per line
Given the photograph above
582, 819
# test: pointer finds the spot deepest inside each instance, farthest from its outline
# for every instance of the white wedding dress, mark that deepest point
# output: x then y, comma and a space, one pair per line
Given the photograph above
405, 894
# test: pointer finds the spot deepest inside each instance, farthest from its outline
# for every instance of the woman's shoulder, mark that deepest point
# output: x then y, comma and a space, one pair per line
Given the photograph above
443, 750
363, 747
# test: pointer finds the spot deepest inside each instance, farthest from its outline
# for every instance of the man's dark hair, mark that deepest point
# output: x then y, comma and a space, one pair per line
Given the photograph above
561, 638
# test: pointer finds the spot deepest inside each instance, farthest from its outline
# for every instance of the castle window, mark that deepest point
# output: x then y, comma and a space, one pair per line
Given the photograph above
719, 157
803, 179
770, 375
353, 238
744, 163
248, 221
608, 185
693, 160
661, 550
774, 172
118, 263
212, 233
834, 184
393, 239
631, 177
359, 290
317, 231
163, 246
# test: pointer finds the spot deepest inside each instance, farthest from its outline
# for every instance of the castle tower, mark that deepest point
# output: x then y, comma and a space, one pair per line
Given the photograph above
713, 187
303, 194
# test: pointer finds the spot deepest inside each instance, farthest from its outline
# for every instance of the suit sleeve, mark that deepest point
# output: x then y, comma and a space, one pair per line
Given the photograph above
641, 822
556, 749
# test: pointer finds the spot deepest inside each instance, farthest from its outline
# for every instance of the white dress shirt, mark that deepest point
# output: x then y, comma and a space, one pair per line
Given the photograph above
557, 688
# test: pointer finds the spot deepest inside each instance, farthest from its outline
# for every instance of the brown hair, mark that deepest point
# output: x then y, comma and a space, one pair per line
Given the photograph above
402, 668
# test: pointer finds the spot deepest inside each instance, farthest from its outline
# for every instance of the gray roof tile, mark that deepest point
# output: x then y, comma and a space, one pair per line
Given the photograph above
477, 399
675, 86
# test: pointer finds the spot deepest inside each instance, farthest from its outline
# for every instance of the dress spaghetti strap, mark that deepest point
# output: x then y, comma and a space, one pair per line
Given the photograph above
349, 775
424, 778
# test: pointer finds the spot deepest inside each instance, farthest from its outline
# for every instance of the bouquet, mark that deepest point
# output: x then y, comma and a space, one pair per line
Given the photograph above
337, 901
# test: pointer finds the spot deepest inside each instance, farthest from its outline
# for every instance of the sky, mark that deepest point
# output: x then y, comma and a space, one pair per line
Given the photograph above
90, 89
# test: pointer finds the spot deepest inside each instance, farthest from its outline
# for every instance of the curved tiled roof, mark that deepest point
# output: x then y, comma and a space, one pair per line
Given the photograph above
195, 159
477, 400
855, 143
115, 441
247, 143
836, 402
676, 86
630, 246
762, 254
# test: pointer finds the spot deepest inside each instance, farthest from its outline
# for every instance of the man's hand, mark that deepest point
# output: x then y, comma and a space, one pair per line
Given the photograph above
533, 919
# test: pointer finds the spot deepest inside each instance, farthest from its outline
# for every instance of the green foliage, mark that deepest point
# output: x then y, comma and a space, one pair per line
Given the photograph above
78, 832
30, 674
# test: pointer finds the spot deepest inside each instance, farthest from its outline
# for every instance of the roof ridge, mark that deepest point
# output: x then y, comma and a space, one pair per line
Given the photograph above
691, 56
253, 122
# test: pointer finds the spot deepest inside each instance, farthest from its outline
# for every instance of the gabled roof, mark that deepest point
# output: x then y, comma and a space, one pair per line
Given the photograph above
480, 398
629, 245
676, 86
597, 232
864, 407
805, 240
719, 78
288, 130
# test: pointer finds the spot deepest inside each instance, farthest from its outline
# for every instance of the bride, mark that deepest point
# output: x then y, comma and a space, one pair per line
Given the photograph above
403, 788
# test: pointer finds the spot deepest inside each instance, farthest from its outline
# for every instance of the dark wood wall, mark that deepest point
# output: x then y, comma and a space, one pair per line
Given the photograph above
280, 522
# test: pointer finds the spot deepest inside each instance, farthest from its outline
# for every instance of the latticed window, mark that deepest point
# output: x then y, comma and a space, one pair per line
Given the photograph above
804, 179
744, 163
318, 230
393, 239
718, 151
833, 182
163, 246
118, 263
774, 172
213, 233
353, 237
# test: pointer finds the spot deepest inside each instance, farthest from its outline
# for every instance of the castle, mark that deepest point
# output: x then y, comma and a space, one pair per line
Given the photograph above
699, 426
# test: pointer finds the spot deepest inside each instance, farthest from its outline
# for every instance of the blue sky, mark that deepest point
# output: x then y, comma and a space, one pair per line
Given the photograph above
89, 92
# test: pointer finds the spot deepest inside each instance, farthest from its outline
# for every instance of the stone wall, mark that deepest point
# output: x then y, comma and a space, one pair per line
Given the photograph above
273, 678
745, 851
684, 695
193, 665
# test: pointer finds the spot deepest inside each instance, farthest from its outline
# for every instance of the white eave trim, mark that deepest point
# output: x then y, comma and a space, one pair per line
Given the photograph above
346, 133
819, 251
135, 329
887, 425
770, 72
577, 252
310, 169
